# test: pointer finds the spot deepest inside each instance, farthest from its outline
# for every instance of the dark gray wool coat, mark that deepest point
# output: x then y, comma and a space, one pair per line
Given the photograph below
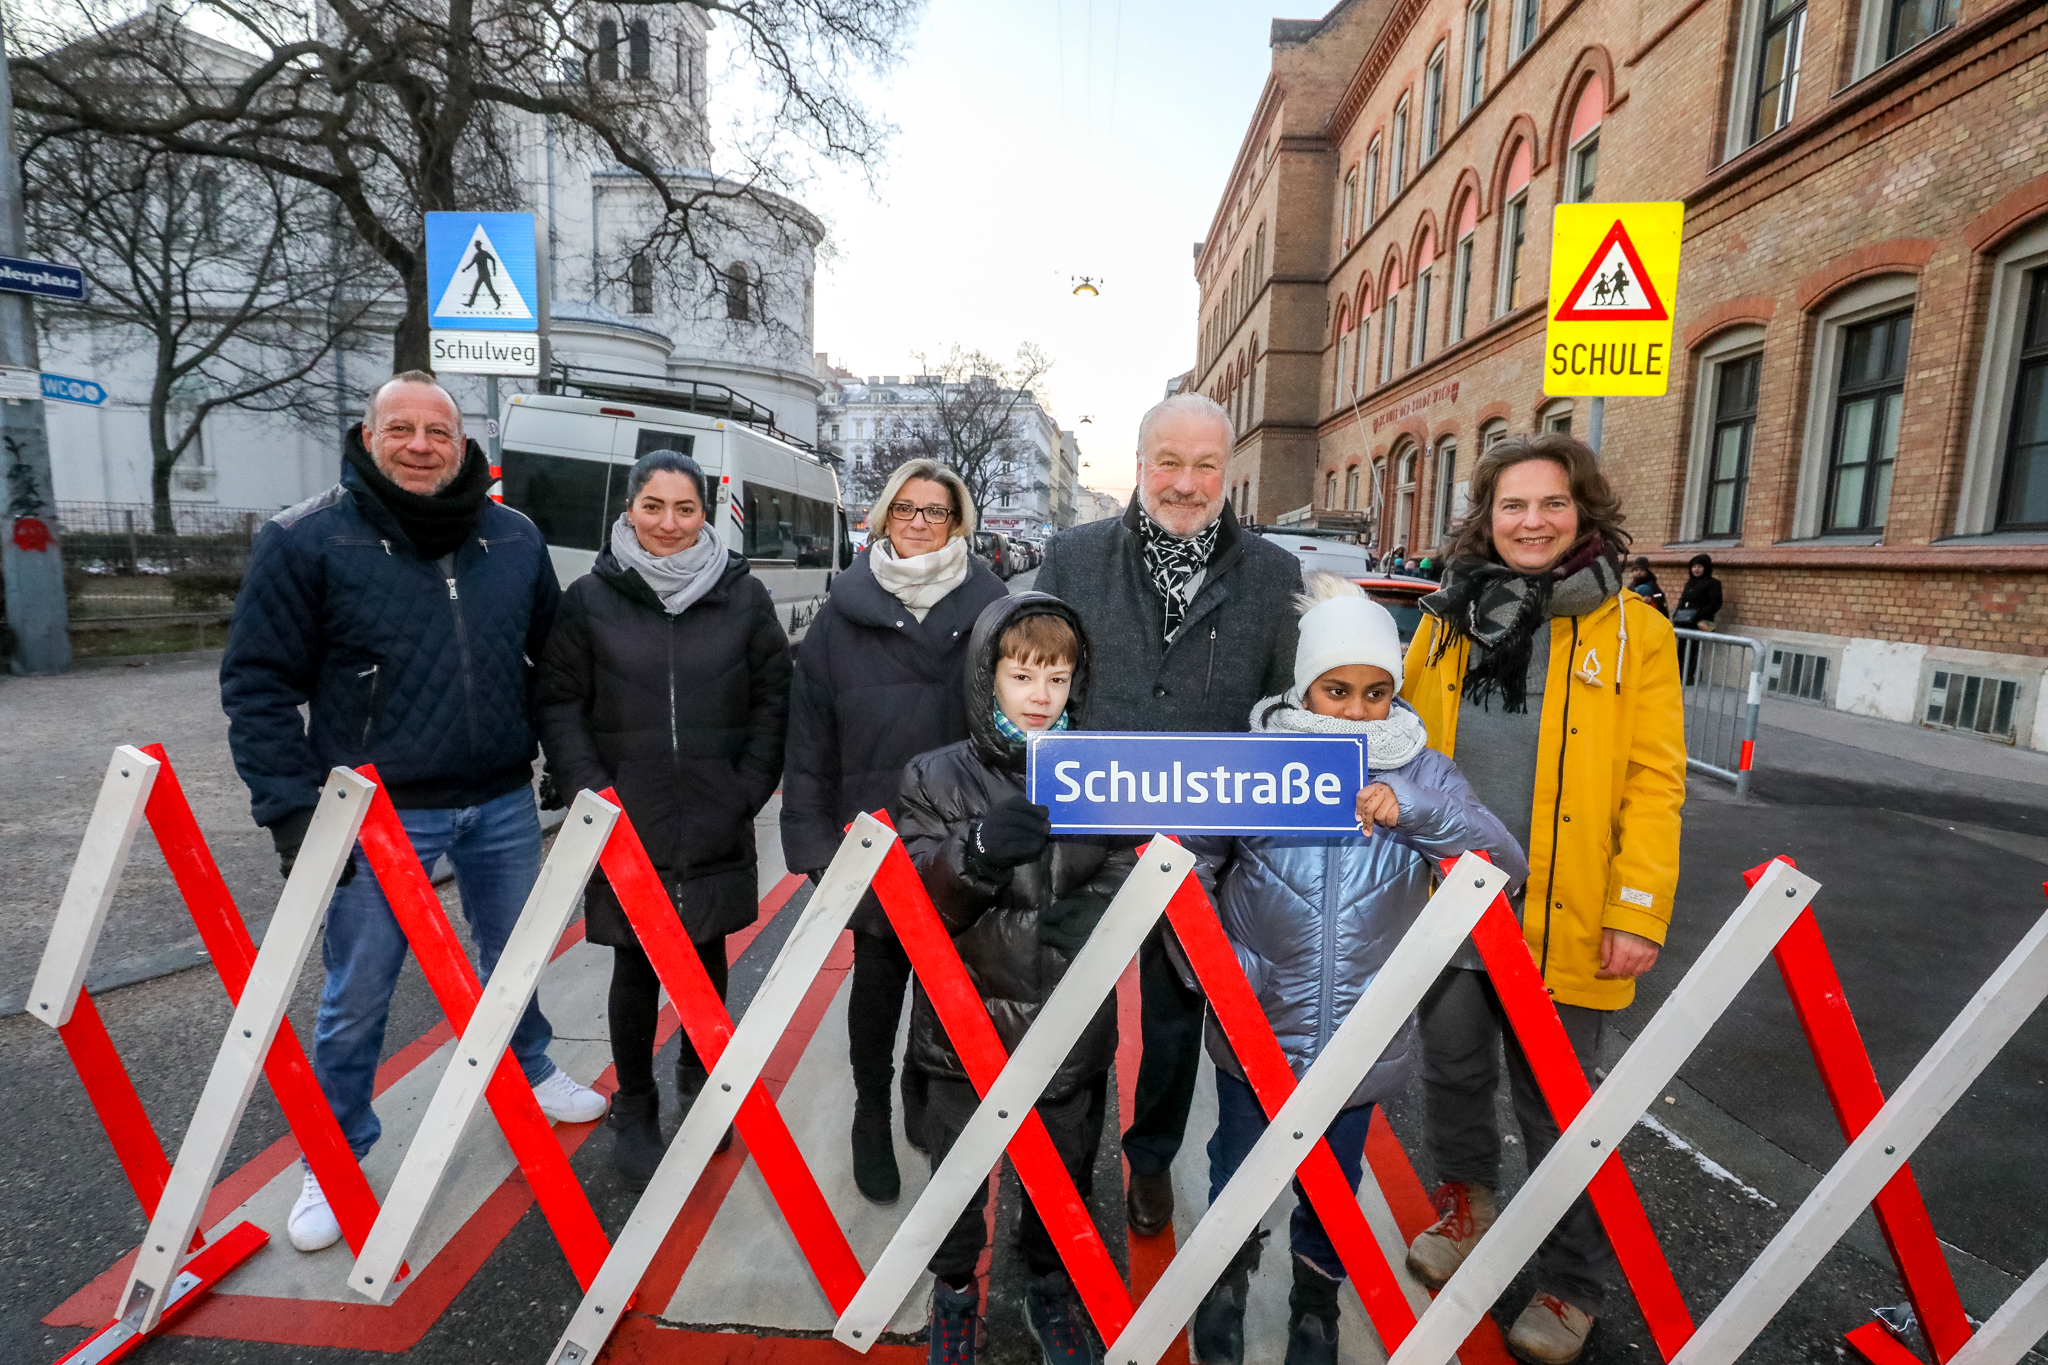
1236, 645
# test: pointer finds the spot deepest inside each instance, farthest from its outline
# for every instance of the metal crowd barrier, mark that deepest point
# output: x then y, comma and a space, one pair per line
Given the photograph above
1722, 695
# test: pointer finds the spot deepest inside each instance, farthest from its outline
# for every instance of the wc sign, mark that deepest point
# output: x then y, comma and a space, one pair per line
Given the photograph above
1124, 783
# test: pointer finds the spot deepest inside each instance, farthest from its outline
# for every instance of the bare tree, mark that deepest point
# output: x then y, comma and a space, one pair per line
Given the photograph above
974, 418
231, 280
898, 440
401, 107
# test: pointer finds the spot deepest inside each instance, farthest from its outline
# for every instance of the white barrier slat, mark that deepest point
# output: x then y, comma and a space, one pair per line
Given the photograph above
746, 1054
1090, 978
2013, 1329
527, 952
102, 857
293, 931
1993, 1015
1673, 1032
1388, 1002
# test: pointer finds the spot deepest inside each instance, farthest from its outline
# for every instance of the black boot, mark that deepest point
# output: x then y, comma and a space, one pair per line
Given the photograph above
1311, 1317
874, 1153
1217, 1334
691, 1078
635, 1121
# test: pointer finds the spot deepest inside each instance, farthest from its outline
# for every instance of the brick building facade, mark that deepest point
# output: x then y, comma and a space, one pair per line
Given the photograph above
1857, 425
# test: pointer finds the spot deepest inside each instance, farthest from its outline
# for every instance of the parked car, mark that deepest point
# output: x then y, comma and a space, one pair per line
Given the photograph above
1029, 554
1399, 594
993, 548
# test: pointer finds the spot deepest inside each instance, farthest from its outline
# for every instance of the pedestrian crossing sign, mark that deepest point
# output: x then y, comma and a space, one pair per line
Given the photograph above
1613, 280
481, 272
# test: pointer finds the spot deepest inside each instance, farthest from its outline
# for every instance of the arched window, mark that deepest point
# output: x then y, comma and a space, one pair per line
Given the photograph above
1418, 322
1338, 387
1330, 490
1450, 493
641, 277
1259, 257
1514, 232
1346, 204
1404, 494
1351, 489
639, 51
1461, 267
607, 50
738, 303
1582, 166
1492, 434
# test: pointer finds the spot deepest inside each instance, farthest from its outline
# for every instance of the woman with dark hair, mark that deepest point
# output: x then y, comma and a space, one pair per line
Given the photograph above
1557, 693
667, 678
880, 679
1642, 581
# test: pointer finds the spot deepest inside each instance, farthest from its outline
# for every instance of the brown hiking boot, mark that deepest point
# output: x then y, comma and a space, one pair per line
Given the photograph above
1438, 1250
1549, 1332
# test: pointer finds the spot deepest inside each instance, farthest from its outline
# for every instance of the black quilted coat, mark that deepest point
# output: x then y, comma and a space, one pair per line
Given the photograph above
874, 688
432, 683
684, 715
996, 927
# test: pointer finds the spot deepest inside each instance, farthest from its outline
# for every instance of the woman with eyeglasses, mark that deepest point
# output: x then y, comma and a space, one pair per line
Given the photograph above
880, 679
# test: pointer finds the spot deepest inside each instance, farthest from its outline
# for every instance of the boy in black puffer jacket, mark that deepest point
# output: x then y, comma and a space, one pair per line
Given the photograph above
1019, 905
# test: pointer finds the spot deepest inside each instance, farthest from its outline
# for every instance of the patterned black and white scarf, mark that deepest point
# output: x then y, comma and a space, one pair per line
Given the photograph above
1175, 564
1498, 610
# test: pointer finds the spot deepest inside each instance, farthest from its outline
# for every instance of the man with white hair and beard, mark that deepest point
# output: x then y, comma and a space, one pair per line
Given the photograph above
403, 609
1192, 621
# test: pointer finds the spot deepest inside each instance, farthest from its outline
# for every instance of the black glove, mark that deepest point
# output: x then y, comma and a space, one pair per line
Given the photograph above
1014, 832
288, 834
552, 797
1067, 922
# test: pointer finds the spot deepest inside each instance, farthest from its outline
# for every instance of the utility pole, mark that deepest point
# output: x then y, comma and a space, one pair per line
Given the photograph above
29, 553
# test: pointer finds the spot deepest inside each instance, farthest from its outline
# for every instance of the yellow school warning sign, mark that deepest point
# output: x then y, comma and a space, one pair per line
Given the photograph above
1613, 280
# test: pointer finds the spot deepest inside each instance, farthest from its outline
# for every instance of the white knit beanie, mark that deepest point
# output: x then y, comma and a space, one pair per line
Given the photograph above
1340, 625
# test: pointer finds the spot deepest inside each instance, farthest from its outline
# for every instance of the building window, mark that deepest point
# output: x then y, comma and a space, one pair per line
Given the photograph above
639, 51
1910, 23
1359, 351
1404, 497
2023, 502
1397, 165
1389, 317
1526, 14
1372, 180
1432, 105
1461, 286
1347, 202
1585, 169
607, 50
1868, 398
1351, 489
1735, 388
1514, 231
1492, 434
1330, 492
1450, 494
1777, 67
1259, 258
1418, 341
738, 306
641, 278
1557, 417
1475, 57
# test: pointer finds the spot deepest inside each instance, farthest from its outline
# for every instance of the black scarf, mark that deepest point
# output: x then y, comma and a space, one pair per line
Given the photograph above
1498, 610
435, 523
1172, 562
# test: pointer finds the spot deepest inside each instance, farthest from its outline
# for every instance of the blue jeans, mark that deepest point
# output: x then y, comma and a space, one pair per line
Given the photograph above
495, 848
1240, 1120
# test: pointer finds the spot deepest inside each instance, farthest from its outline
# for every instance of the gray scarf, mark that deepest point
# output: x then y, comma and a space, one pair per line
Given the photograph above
678, 579
1498, 610
1389, 743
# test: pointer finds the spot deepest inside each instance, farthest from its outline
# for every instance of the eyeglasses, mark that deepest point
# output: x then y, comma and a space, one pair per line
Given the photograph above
935, 514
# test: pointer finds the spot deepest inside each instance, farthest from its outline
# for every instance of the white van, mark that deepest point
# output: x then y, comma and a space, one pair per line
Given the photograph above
565, 458
1323, 551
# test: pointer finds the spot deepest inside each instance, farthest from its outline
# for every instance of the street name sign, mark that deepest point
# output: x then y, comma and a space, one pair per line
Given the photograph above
1114, 782
63, 388
1613, 279
484, 352
45, 279
17, 384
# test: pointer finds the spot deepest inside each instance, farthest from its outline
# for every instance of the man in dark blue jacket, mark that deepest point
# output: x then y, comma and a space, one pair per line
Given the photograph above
404, 610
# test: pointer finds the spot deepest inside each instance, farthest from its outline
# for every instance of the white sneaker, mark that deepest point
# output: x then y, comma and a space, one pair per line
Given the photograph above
564, 1101
312, 1224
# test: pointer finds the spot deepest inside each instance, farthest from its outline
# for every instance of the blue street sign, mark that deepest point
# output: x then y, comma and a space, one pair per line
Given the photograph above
1111, 782
481, 274
64, 389
45, 278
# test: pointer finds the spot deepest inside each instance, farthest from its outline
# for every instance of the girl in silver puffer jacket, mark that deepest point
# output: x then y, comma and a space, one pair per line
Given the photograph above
1314, 919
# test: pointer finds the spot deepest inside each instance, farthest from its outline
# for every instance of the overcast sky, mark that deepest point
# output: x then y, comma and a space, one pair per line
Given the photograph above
1042, 140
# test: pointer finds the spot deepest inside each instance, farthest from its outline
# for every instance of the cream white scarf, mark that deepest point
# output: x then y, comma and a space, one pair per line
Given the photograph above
1389, 743
680, 579
920, 582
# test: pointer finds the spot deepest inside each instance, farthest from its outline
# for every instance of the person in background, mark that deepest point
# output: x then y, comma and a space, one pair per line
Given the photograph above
667, 679
878, 681
1558, 693
1642, 581
1192, 620
1699, 603
402, 610
1284, 900
1019, 905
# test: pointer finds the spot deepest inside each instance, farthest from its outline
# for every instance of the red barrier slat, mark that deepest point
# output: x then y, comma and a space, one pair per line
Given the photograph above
1541, 1034
210, 1267
1272, 1079
455, 986
704, 1017
1748, 753
233, 953
113, 1097
1875, 1343
973, 1035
